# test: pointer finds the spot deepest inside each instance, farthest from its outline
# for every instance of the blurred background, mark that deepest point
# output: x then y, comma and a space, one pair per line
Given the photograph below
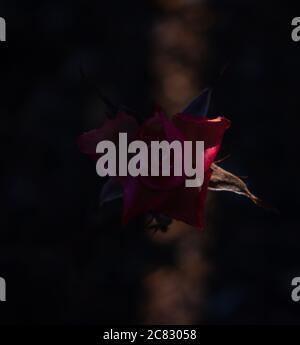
65, 260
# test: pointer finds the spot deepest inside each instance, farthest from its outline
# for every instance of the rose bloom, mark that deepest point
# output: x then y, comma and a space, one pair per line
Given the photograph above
165, 195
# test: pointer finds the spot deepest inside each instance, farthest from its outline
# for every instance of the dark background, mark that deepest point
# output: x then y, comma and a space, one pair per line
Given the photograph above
66, 261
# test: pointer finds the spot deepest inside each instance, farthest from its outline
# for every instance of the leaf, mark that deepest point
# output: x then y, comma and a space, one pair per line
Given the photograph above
223, 180
200, 105
112, 190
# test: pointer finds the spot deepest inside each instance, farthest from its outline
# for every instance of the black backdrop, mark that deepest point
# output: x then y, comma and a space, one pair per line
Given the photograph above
64, 261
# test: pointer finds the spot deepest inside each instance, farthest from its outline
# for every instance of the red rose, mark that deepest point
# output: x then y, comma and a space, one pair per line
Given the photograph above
164, 195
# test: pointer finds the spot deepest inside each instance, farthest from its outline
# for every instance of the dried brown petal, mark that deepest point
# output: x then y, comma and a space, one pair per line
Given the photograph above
223, 180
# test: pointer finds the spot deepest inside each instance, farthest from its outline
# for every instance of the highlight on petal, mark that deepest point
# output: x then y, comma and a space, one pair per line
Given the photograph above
211, 131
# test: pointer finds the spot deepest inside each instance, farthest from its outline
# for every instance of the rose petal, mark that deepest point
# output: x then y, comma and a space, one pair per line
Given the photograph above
210, 131
138, 199
123, 122
184, 204
159, 128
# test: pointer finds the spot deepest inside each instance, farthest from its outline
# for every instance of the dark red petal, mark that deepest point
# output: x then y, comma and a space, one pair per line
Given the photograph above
139, 199
123, 122
187, 204
184, 204
210, 131
159, 128
199, 128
